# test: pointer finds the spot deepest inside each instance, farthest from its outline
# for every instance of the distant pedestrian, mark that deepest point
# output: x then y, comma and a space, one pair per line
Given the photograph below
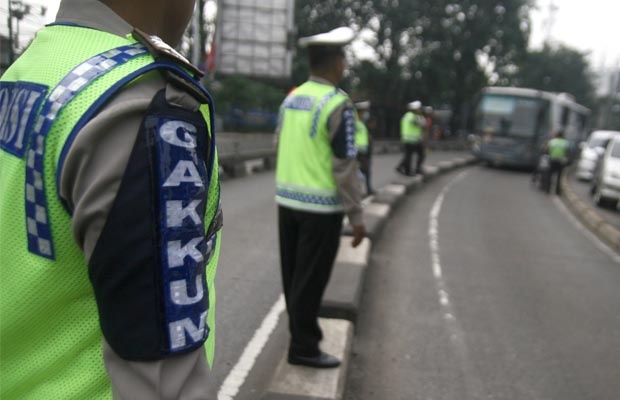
363, 142
316, 183
557, 149
412, 126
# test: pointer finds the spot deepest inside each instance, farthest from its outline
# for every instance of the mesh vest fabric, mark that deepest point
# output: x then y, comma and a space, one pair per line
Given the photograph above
361, 136
558, 148
51, 340
304, 177
410, 131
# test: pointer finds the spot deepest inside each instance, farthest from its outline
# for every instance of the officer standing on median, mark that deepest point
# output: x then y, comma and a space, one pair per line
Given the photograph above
316, 184
363, 144
557, 148
109, 209
412, 126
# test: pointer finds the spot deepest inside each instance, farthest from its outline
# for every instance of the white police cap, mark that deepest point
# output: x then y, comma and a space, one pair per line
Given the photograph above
336, 37
414, 105
362, 105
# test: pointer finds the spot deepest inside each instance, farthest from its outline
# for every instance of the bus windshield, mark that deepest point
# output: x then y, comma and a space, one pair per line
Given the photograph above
503, 115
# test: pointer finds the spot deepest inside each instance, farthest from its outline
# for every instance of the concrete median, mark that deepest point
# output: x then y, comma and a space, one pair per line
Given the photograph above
342, 300
589, 217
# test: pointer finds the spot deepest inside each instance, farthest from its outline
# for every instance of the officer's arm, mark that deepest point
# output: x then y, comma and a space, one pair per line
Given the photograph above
341, 127
104, 153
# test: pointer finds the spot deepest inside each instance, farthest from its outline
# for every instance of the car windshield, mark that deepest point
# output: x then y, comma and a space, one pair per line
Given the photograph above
598, 142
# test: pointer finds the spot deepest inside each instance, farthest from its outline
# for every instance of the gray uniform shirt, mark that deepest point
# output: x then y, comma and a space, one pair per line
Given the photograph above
89, 181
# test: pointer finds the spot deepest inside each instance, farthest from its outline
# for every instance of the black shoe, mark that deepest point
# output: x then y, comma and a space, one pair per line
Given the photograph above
323, 360
401, 170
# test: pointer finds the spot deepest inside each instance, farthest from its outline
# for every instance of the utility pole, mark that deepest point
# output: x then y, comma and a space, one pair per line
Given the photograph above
550, 21
18, 10
11, 47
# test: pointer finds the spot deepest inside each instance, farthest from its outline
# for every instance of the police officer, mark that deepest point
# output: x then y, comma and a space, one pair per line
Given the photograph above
412, 137
557, 149
316, 182
109, 212
363, 142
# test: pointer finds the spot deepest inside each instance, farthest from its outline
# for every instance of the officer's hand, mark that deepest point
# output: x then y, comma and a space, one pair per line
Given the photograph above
359, 232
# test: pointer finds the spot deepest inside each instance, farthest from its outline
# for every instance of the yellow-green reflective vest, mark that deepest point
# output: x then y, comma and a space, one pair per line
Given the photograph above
410, 130
304, 177
361, 137
558, 148
50, 338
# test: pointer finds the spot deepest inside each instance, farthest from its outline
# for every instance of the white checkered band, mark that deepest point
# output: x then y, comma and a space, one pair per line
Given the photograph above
37, 215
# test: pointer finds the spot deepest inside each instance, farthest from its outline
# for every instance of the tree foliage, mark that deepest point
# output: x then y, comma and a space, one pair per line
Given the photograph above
438, 51
558, 69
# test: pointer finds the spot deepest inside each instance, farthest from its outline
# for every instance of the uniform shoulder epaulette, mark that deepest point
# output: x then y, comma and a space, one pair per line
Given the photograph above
162, 50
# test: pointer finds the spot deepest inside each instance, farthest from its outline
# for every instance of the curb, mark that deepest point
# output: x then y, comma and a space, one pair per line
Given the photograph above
589, 217
343, 297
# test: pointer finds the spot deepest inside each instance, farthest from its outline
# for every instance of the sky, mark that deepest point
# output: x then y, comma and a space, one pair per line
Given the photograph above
592, 26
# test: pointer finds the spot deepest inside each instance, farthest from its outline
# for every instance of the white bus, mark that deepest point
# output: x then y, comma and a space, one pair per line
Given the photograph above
510, 125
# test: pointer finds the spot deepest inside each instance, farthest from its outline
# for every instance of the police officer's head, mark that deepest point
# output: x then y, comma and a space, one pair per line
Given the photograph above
559, 133
326, 54
164, 18
327, 61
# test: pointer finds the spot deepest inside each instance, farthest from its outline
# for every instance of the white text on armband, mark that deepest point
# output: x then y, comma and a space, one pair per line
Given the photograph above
185, 251
19, 106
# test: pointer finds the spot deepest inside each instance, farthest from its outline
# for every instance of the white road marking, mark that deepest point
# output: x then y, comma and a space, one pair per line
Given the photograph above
584, 230
457, 337
237, 375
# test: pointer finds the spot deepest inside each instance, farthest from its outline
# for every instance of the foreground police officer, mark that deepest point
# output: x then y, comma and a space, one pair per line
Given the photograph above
412, 126
109, 210
316, 181
557, 149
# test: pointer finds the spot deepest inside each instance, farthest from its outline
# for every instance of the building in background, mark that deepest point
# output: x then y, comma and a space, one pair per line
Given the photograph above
253, 38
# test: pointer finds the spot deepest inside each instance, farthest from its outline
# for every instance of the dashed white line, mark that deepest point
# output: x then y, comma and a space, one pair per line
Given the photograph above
456, 334
237, 375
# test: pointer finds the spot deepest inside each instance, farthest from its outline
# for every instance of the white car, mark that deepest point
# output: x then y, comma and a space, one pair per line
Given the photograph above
590, 153
606, 181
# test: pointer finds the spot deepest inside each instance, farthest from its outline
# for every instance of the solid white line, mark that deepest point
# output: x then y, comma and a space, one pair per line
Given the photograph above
581, 228
237, 375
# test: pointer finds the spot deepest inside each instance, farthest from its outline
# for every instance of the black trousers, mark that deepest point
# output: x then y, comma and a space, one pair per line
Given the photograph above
364, 160
556, 167
411, 148
308, 246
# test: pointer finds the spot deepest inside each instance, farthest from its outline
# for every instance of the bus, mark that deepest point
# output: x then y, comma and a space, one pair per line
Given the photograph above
510, 125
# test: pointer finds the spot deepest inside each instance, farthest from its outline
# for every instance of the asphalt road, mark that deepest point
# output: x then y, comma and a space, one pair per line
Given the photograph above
483, 288
248, 279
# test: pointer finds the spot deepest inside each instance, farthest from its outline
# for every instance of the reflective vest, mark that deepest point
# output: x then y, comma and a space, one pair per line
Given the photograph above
558, 148
410, 130
361, 137
50, 336
304, 177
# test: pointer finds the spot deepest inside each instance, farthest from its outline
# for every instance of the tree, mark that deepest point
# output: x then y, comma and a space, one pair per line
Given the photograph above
558, 69
437, 51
